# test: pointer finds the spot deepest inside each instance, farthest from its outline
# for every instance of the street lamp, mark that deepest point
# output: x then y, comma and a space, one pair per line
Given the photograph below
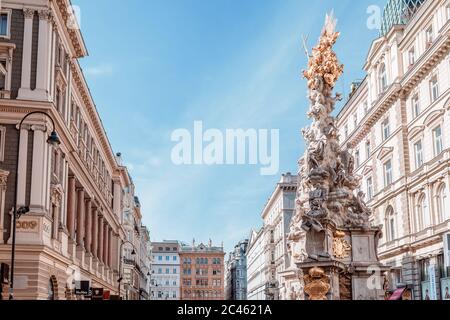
133, 253
53, 140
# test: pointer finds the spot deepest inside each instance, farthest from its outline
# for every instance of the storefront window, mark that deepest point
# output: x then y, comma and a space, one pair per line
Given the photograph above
424, 274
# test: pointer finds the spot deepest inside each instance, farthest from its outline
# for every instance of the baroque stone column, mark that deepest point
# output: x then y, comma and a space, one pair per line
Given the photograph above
71, 207
80, 217
88, 224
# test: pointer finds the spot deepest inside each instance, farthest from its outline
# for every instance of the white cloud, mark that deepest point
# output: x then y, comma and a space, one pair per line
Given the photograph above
101, 70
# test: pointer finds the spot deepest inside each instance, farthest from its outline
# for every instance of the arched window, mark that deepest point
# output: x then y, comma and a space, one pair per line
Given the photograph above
390, 224
424, 211
383, 78
442, 198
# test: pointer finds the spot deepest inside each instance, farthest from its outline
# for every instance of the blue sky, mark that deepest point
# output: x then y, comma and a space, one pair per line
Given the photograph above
158, 65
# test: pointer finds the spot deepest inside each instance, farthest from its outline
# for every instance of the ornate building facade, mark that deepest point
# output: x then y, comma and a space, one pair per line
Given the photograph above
396, 121
73, 231
203, 270
270, 245
236, 273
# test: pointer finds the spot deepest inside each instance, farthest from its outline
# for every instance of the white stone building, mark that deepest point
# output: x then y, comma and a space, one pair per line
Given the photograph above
397, 122
165, 280
256, 279
277, 216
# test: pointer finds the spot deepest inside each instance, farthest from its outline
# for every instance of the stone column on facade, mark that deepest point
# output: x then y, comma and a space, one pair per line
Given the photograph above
22, 172
110, 248
94, 231
71, 207
56, 206
42, 71
80, 218
88, 225
100, 239
3, 181
105, 244
25, 89
39, 171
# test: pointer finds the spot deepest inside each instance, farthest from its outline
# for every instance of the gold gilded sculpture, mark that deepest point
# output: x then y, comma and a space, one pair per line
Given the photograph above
317, 284
324, 63
341, 248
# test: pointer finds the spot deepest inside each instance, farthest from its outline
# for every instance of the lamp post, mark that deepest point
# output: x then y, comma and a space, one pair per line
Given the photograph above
53, 139
133, 253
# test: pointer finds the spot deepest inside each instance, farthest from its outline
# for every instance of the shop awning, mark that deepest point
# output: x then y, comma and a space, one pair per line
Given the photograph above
397, 295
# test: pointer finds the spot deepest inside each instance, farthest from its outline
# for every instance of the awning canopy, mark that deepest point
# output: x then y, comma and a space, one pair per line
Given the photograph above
397, 295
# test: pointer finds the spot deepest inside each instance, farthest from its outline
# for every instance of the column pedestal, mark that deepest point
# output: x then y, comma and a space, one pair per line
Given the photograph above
72, 249
81, 256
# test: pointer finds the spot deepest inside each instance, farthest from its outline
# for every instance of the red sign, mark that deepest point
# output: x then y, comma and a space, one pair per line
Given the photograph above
106, 295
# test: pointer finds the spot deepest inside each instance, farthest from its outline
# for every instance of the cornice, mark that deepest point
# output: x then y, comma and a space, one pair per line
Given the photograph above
75, 35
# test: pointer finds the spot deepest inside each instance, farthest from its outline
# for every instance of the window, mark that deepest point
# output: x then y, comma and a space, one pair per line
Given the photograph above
160, 271
424, 211
167, 258
386, 129
3, 74
174, 270
383, 78
390, 224
355, 121
346, 131
437, 141
388, 173
434, 88
167, 270
415, 104
366, 108
174, 258
429, 36
357, 159
418, 154
369, 184
4, 24
160, 258
442, 198
368, 150
412, 56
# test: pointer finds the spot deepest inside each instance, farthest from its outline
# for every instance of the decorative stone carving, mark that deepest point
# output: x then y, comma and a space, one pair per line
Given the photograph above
56, 195
341, 248
28, 13
317, 284
44, 14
